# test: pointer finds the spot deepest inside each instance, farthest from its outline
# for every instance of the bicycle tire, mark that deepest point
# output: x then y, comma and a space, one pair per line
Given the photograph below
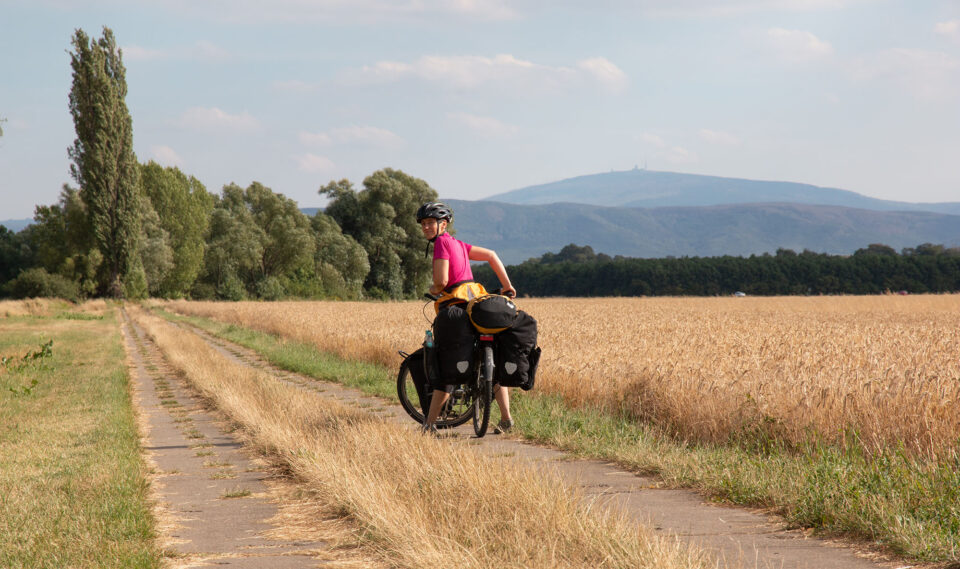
484, 390
456, 412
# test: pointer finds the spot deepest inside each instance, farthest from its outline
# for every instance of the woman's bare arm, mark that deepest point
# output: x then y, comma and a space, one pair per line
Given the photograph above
441, 275
490, 256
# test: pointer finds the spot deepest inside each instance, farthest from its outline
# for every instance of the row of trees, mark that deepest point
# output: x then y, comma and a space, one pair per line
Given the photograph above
135, 230
244, 243
578, 271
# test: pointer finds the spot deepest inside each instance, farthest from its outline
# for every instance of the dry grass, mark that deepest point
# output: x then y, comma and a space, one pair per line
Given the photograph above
880, 370
50, 307
28, 307
417, 501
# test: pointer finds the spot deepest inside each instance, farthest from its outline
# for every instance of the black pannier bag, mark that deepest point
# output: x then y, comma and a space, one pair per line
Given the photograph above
517, 353
455, 340
492, 314
418, 373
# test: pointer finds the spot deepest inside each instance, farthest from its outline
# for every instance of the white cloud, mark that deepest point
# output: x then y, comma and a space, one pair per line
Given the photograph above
652, 139
343, 11
675, 155
605, 72
929, 75
806, 5
664, 151
315, 139
199, 51
369, 135
719, 137
480, 9
459, 71
313, 163
365, 135
797, 45
678, 155
504, 70
138, 53
208, 51
488, 127
166, 156
949, 29
727, 8
215, 119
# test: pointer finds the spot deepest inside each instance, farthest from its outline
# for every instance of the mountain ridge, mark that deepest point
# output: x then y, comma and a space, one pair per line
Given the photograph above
773, 220
650, 188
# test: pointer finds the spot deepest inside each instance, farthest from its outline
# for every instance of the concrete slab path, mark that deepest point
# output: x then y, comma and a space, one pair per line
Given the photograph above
214, 502
738, 537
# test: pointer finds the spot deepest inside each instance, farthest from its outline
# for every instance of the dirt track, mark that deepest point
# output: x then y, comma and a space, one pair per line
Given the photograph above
219, 507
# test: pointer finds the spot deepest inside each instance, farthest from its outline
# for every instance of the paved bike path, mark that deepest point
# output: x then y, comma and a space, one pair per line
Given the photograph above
738, 537
213, 503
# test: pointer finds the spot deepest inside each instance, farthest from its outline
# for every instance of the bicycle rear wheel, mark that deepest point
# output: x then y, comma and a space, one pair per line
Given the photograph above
484, 393
457, 411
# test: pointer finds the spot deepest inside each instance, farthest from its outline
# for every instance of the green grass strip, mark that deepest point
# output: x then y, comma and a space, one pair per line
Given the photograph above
301, 358
906, 506
73, 490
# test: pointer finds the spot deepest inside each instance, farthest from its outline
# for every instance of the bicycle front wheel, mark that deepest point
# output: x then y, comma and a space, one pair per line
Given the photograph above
484, 393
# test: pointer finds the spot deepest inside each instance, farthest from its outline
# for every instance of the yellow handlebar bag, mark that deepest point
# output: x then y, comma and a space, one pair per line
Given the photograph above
459, 293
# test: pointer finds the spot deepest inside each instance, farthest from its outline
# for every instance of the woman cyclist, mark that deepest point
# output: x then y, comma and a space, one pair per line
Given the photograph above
451, 266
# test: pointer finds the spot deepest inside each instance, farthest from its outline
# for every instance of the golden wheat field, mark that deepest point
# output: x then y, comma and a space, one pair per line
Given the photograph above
886, 367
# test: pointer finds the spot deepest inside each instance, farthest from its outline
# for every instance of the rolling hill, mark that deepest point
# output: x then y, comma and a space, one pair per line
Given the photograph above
646, 188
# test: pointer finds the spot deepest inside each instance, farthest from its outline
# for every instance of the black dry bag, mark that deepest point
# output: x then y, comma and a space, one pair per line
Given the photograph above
517, 353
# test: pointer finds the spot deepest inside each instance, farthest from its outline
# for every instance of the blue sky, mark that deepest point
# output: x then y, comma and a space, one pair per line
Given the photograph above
479, 97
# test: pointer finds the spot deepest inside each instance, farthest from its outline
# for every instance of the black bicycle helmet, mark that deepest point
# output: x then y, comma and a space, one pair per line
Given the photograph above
436, 210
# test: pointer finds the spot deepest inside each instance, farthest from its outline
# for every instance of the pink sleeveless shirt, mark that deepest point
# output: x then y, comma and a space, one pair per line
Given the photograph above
457, 253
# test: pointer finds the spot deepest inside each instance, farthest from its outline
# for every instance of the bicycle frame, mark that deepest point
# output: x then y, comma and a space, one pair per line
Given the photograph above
484, 386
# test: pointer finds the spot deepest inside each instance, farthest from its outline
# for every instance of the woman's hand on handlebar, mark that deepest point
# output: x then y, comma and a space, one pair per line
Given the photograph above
509, 291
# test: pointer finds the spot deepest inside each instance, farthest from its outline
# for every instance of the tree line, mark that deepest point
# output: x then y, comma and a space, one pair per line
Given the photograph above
875, 269
132, 230
246, 243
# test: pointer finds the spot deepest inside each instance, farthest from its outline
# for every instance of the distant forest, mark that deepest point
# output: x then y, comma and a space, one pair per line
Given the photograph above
579, 271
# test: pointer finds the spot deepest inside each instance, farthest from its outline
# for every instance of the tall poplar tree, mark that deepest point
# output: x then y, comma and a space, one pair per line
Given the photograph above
104, 164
